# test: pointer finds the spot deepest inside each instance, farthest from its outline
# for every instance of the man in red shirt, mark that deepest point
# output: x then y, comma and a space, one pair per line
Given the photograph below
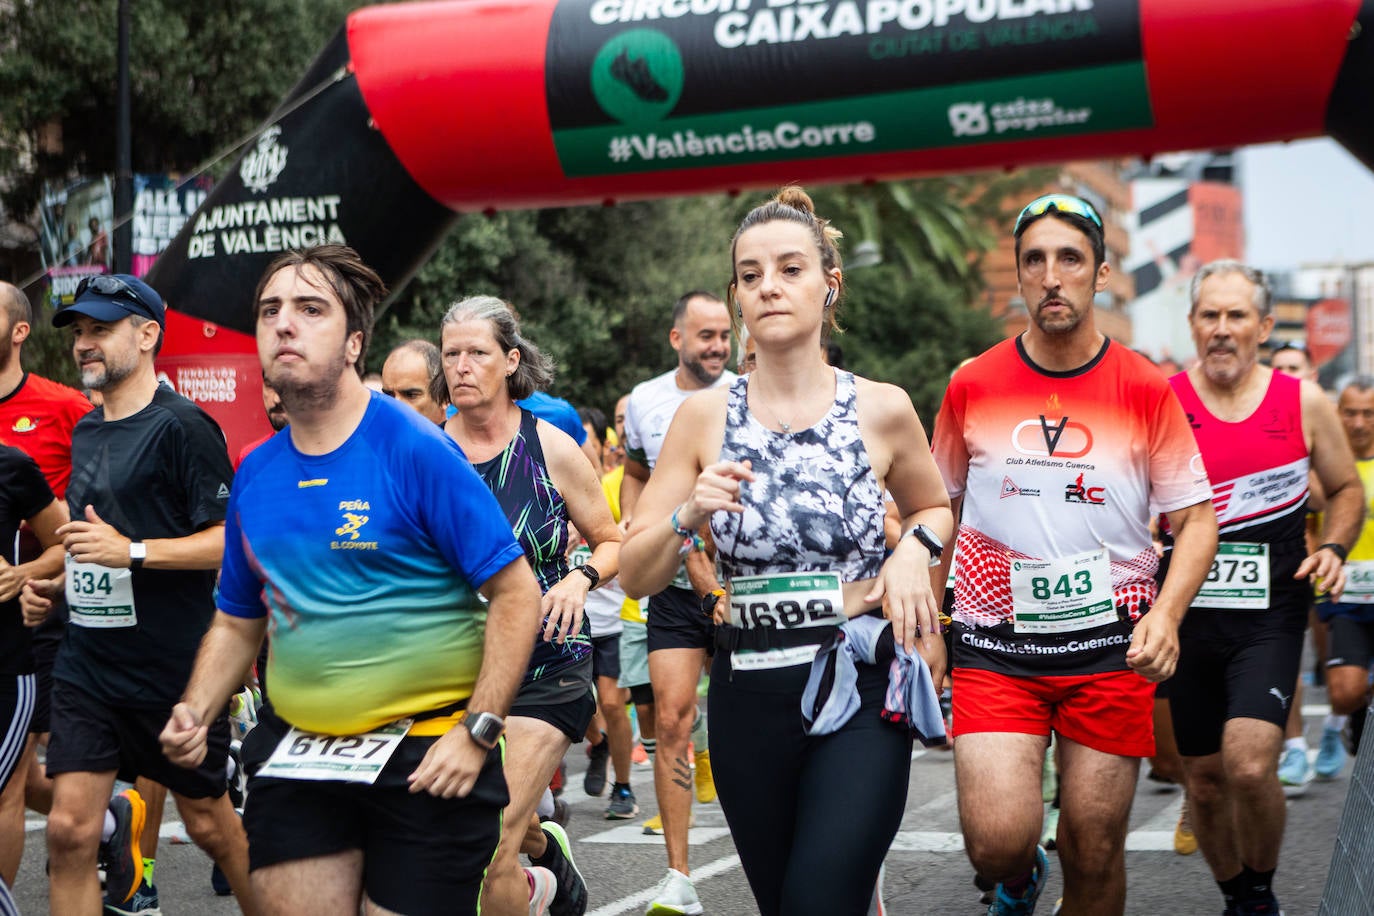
36, 415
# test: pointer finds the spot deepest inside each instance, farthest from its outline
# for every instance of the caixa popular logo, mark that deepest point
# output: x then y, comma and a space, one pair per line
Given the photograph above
264, 162
968, 119
1079, 492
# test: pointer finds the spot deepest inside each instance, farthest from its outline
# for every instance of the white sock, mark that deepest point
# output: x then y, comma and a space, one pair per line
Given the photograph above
1300, 743
108, 830
545, 807
1336, 723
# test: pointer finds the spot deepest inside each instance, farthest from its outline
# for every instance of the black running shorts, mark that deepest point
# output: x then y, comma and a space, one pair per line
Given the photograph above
546, 701
92, 736
676, 621
1351, 642
1233, 665
16, 709
606, 656
422, 855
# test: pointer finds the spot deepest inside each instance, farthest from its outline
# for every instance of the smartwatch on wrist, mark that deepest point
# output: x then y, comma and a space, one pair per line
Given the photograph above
1335, 548
590, 572
930, 541
138, 552
485, 728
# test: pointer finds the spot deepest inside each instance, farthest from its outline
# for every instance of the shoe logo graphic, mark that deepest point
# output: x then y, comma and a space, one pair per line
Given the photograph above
1283, 700
637, 76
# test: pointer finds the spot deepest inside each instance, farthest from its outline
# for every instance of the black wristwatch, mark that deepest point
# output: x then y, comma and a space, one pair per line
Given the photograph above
484, 727
1335, 548
590, 572
930, 541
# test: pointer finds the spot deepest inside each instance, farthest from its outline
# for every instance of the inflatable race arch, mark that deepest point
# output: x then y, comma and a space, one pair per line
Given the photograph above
417, 112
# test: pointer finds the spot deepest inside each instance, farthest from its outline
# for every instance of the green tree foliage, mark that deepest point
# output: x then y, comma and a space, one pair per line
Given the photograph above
911, 329
201, 75
594, 286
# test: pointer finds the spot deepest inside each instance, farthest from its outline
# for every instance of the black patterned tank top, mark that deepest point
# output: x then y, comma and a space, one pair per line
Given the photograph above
814, 504
519, 479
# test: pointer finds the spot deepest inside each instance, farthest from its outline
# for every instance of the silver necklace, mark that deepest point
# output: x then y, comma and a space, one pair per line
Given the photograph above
786, 427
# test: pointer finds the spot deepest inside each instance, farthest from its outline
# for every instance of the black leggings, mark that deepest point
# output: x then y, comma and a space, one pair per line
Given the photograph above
812, 818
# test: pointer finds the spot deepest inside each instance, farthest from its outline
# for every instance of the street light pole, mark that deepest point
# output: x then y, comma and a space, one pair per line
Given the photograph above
124, 170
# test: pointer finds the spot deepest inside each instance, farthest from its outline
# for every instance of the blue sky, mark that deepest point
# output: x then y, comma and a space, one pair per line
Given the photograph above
1306, 202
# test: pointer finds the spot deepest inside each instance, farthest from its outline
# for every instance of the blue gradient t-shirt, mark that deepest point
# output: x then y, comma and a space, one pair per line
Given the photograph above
367, 560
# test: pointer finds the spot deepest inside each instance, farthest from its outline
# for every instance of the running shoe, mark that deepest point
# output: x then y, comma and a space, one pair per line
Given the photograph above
1185, 841
1266, 907
571, 896
1330, 754
219, 882
543, 886
1049, 837
987, 889
594, 781
1294, 771
674, 896
705, 782
238, 779
120, 854
243, 713
1005, 905
562, 812
142, 903
623, 805
654, 825
639, 756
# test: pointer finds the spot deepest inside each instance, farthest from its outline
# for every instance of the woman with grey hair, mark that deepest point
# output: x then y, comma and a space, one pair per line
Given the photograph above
544, 482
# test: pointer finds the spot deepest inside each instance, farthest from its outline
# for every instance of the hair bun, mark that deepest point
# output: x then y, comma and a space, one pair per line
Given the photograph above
795, 197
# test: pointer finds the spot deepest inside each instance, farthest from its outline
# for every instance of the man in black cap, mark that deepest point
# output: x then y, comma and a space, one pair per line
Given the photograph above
148, 494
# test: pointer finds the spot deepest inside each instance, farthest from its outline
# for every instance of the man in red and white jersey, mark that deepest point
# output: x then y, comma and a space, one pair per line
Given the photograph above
1260, 432
1058, 446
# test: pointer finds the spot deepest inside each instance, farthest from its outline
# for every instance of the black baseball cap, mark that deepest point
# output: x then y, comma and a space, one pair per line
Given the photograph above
110, 297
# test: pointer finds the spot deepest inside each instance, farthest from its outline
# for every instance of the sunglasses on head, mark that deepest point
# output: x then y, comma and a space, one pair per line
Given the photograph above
107, 285
1061, 203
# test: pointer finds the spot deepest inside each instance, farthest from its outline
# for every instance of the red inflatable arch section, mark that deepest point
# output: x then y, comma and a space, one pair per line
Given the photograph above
416, 112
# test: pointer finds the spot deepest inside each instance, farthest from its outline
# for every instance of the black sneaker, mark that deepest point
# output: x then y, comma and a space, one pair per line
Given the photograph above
218, 882
142, 903
120, 854
571, 898
594, 782
623, 805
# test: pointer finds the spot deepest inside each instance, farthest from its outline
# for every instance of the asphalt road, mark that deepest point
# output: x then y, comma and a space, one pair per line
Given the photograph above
926, 872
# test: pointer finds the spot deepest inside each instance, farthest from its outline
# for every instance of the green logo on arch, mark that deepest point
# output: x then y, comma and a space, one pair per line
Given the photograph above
637, 76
